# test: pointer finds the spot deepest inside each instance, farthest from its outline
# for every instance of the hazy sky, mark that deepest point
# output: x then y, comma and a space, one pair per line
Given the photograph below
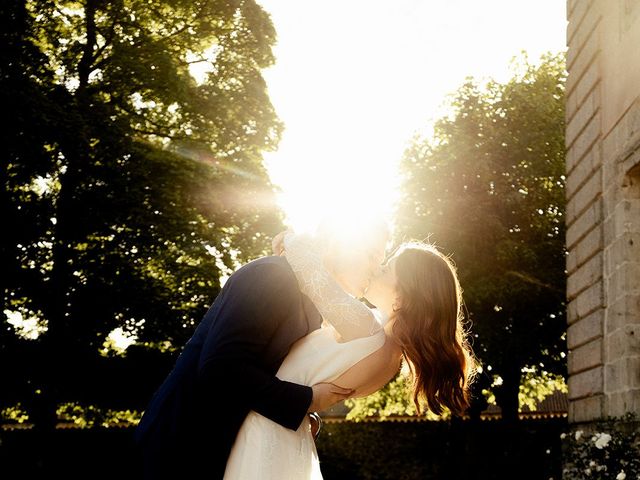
355, 79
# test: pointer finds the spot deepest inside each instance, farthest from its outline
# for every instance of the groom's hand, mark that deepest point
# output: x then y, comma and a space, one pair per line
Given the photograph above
327, 394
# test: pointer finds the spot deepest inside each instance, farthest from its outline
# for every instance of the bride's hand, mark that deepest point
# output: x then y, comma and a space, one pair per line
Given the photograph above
326, 395
277, 244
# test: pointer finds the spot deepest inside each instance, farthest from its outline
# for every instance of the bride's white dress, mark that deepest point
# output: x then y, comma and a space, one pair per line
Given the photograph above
264, 449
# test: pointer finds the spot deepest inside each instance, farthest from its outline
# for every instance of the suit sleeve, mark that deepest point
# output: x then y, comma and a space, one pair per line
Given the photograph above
254, 309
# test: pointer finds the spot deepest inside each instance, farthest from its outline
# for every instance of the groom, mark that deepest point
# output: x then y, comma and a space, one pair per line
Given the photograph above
228, 366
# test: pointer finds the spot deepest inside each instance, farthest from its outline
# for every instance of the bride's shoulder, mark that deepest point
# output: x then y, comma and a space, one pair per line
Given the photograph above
389, 355
391, 350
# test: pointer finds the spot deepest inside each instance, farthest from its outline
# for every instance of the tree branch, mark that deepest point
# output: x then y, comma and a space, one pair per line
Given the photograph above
108, 40
159, 134
534, 281
185, 27
84, 66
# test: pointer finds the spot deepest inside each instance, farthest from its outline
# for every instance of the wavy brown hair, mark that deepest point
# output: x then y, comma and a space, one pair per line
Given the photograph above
429, 326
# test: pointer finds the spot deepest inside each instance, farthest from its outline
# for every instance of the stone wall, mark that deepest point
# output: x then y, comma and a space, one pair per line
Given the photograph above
603, 208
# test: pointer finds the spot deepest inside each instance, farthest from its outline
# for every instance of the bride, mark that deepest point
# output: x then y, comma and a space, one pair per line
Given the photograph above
417, 317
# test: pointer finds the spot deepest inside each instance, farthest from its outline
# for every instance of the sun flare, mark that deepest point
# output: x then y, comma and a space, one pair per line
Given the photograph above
354, 81
362, 188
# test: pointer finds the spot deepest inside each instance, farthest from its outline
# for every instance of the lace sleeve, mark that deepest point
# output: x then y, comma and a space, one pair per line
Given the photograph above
350, 317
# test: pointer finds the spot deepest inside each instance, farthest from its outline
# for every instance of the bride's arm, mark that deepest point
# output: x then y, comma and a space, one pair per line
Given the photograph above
350, 317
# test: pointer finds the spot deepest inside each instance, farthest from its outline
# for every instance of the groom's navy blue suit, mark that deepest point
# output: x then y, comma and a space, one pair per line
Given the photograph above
226, 369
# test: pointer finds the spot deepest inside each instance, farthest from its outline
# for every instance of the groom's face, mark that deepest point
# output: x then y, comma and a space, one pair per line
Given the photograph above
357, 262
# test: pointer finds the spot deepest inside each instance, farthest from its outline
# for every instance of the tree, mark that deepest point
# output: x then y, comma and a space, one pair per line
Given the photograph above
129, 186
488, 188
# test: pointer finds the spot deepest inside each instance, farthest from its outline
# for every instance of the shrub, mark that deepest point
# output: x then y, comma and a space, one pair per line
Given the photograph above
610, 451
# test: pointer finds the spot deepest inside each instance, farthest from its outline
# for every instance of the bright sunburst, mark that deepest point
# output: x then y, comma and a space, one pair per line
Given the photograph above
356, 185
354, 80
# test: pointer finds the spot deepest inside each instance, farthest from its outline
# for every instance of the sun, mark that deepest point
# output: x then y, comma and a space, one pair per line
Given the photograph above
359, 188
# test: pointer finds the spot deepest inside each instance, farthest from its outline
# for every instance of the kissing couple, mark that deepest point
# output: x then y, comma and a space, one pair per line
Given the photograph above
287, 337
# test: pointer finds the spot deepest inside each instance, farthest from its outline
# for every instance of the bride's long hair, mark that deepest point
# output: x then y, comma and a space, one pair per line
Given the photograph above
429, 326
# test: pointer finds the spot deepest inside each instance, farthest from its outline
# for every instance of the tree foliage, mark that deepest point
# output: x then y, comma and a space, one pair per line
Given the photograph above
393, 400
488, 188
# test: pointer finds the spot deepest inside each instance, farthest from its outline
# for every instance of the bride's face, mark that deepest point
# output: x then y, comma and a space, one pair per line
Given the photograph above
382, 289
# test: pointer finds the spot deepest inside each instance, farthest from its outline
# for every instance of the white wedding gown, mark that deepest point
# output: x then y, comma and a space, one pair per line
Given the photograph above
265, 450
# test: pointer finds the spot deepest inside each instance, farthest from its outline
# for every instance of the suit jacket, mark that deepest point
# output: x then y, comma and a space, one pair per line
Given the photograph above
225, 370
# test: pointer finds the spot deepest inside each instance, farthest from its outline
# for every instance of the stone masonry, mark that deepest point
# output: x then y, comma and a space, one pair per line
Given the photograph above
603, 208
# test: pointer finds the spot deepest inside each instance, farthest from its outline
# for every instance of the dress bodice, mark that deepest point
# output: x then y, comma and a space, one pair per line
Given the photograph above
320, 357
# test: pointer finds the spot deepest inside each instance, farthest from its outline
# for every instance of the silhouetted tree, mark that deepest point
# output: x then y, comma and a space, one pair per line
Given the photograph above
488, 188
129, 186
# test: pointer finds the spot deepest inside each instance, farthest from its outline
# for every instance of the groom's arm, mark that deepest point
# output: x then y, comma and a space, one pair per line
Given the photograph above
254, 308
283, 402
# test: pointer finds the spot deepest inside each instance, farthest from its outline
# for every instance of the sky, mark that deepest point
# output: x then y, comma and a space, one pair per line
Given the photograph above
354, 80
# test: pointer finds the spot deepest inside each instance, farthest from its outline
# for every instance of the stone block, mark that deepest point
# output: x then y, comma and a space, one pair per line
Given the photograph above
585, 276
576, 17
584, 142
572, 311
590, 300
625, 280
619, 403
582, 225
571, 106
622, 311
610, 143
586, 109
582, 57
583, 171
611, 178
621, 140
627, 216
618, 285
623, 342
631, 166
589, 81
584, 196
586, 383
586, 409
611, 195
629, 136
584, 250
585, 329
609, 229
625, 248
621, 375
585, 356
585, 30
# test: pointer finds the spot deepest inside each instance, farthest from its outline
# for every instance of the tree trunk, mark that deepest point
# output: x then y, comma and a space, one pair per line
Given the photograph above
507, 393
7, 256
59, 339
57, 344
